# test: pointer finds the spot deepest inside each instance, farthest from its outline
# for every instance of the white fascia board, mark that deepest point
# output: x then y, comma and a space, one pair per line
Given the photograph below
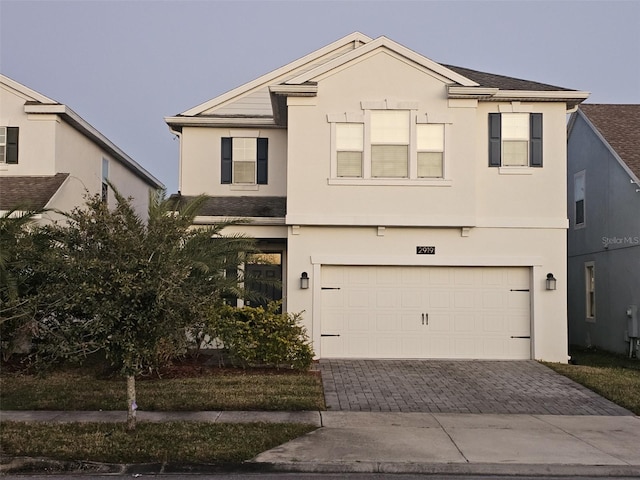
615, 155
86, 129
553, 95
221, 122
26, 91
383, 42
271, 76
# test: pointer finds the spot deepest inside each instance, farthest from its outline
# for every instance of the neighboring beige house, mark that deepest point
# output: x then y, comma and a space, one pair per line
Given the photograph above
50, 157
414, 209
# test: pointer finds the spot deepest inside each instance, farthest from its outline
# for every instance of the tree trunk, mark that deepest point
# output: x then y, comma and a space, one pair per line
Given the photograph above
131, 402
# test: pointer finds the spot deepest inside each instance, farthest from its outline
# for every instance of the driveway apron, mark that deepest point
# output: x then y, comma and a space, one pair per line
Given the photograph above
457, 386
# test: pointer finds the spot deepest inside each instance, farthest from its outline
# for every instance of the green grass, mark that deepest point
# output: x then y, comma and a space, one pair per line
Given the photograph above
238, 390
615, 377
149, 443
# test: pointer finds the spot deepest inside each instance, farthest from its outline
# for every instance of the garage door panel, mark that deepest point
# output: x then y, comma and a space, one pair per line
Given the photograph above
493, 323
464, 299
425, 312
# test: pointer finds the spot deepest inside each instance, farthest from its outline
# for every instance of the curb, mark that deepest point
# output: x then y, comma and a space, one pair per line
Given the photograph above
30, 465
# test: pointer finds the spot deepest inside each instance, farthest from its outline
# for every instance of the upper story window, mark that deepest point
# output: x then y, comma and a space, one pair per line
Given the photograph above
105, 179
244, 161
9, 145
390, 144
578, 198
349, 146
515, 139
385, 145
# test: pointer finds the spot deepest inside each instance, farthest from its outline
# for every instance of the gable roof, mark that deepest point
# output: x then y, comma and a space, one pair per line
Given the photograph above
262, 102
29, 192
36, 103
619, 125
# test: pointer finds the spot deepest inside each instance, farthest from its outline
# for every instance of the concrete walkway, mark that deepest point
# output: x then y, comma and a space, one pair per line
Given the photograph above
424, 442
464, 443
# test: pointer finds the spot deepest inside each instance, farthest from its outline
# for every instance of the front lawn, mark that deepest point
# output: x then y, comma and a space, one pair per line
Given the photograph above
210, 389
615, 377
219, 443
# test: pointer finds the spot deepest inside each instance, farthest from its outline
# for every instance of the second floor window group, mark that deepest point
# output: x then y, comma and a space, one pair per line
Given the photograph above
387, 149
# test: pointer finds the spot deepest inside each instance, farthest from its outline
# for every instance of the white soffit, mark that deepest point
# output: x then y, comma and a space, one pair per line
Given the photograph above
270, 77
385, 42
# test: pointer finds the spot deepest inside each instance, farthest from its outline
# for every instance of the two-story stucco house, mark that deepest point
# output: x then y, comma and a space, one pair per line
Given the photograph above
603, 186
414, 209
50, 157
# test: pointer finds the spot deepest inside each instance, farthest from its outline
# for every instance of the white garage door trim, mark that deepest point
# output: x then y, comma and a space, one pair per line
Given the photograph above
425, 312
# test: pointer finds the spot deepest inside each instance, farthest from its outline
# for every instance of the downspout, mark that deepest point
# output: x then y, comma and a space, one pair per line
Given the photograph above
178, 133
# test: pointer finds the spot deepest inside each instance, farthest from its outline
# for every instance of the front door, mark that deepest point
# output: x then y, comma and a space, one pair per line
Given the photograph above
263, 279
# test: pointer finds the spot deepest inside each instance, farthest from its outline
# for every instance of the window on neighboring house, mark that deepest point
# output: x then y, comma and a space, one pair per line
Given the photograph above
590, 289
244, 161
349, 146
105, 179
515, 140
578, 197
9, 145
390, 143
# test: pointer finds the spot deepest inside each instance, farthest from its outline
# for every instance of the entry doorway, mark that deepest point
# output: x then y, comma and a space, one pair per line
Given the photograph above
263, 278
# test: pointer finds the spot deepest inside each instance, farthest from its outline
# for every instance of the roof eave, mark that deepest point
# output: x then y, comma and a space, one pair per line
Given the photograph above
86, 129
178, 122
570, 97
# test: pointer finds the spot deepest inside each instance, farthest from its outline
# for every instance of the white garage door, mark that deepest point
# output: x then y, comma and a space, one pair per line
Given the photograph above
425, 312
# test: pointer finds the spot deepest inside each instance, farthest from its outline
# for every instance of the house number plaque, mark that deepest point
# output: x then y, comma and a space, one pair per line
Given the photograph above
426, 250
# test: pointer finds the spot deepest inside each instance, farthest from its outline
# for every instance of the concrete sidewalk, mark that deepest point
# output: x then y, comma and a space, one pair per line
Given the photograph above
424, 442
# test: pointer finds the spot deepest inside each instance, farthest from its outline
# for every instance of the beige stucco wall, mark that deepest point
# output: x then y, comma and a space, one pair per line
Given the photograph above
200, 154
36, 138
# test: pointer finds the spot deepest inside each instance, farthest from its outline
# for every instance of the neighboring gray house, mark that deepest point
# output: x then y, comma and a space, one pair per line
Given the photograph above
604, 232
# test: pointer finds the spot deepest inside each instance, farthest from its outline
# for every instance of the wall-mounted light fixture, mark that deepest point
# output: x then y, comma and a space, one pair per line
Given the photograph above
304, 280
551, 281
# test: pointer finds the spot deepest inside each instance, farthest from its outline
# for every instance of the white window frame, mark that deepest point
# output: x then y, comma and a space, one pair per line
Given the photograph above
505, 138
3, 144
590, 291
579, 178
235, 161
364, 117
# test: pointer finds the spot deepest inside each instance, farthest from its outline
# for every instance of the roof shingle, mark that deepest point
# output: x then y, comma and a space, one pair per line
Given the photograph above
29, 192
245, 206
619, 124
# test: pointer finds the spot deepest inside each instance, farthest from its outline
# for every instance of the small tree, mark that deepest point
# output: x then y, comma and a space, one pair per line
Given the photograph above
19, 248
131, 288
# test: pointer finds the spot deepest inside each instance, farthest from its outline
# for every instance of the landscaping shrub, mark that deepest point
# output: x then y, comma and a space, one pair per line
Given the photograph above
262, 337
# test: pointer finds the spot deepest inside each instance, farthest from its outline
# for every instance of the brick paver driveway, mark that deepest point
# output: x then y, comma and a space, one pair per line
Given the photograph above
457, 386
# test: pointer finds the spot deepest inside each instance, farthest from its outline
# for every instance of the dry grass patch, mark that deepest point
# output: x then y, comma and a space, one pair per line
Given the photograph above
150, 443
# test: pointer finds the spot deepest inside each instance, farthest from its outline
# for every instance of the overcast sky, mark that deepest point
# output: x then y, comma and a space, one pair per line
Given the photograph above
123, 65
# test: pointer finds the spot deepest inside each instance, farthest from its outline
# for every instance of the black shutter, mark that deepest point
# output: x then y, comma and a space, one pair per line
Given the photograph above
12, 145
263, 164
226, 161
495, 139
535, 139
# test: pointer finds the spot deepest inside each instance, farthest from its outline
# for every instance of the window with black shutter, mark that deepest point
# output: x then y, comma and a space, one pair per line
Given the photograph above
244, 161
